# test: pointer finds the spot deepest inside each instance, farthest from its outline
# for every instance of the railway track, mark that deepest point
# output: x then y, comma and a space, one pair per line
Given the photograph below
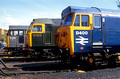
43, 68
24, 65
39, 67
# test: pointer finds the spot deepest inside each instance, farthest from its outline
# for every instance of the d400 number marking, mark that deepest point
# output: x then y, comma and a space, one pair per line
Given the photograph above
81, 32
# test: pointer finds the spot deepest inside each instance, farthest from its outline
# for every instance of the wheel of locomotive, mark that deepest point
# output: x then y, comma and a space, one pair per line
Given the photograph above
87, 61
25, 53
112, 61
30, 55
64, 56
14, 53
33, 55
56, 53
75, 62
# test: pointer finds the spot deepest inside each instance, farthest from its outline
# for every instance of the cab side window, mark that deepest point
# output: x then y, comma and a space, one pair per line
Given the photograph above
34, 28
48, 27
68, 20
39, 28
97, 20
77, 21
85, 20
21, 33
11, 33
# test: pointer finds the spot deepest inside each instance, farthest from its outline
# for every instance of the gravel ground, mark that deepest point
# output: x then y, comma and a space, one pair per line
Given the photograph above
108, 73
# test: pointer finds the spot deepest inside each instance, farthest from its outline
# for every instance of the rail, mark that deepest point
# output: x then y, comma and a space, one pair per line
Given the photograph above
1, 70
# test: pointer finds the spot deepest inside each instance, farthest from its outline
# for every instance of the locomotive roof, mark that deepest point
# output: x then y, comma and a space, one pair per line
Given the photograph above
73, 9
18, 27
55, 22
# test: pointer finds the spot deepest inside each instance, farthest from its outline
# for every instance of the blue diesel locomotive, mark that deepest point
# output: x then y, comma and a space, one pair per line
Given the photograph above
90, 35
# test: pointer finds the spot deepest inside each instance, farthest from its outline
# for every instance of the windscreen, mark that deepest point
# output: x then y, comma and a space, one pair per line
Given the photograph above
68, 20
37, 28
16, 32
29, 27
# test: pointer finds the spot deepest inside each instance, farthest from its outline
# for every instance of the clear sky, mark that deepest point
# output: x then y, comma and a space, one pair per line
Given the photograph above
22, 12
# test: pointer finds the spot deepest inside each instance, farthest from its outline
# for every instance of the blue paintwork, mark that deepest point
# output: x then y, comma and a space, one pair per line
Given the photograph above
109, 34
85, 34
97, 34
73, 9
112, 30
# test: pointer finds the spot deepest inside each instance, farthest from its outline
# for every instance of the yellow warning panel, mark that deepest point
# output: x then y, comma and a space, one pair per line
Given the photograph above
81, 71
5, 57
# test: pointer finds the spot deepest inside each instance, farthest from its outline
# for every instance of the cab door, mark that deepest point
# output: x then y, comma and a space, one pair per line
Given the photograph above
97, 30
21, 36
47, 35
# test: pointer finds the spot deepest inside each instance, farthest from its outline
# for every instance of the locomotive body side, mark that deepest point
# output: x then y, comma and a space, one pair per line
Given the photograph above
111, 32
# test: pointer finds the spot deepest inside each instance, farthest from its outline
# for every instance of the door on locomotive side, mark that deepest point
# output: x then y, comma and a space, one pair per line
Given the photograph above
97, 30
47, 35
21, 36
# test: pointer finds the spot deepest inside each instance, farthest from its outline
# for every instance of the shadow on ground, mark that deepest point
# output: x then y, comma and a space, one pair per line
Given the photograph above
43, 66
51, 65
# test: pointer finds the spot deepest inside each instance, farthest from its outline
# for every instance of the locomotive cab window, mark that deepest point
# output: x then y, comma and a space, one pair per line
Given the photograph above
62, 22
77, 21
15, 33
37, 28
68, 20
21, 33
85, 20
29, 28
11, 33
